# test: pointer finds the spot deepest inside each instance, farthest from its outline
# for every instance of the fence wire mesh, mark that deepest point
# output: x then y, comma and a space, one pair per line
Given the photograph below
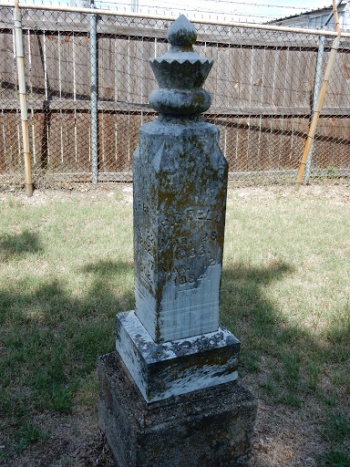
10, 122
264, 84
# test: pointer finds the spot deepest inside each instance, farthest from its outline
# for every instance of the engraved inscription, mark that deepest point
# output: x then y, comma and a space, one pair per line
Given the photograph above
183, 248
192, 239
190, 214
145, 238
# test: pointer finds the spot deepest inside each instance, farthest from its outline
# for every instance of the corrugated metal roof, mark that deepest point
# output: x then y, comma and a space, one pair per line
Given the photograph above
325, 9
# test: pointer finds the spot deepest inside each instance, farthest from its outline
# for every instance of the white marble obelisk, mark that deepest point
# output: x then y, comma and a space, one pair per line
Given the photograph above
180, 182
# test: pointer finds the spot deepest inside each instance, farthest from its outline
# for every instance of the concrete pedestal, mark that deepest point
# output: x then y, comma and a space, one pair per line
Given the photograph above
204, 428
172, 368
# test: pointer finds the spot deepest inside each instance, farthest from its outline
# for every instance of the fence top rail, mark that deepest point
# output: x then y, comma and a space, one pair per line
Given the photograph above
96, 11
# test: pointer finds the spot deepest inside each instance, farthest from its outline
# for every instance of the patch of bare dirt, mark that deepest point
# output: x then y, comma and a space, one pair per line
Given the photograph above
72, 441
338, 193
86, 193
283, 437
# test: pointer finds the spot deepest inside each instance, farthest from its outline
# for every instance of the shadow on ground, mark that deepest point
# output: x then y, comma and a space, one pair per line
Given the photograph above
265, 330
288, 367
52, 338
15, 246
50, 341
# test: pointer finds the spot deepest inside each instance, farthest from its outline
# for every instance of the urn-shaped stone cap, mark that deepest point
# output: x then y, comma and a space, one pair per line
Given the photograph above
181, 73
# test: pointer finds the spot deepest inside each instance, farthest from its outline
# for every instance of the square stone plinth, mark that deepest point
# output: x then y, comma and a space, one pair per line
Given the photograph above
162, 370
205, 428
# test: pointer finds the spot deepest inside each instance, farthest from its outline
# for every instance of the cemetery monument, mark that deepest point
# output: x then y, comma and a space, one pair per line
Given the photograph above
169, 393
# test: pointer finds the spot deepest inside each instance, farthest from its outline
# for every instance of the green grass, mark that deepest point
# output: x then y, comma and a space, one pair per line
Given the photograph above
66, 269
336, 459
285, 293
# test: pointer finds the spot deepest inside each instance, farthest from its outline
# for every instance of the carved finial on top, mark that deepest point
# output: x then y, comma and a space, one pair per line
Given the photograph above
182, 32
181, 73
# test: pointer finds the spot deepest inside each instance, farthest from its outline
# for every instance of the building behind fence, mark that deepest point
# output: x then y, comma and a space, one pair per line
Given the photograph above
263, 84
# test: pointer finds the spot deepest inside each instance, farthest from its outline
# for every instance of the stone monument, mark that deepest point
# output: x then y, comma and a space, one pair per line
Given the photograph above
169, 394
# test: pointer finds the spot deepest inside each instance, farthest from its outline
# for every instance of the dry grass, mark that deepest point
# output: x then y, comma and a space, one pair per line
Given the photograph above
66, 268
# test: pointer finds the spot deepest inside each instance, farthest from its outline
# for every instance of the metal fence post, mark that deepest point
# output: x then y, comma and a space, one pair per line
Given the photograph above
93, 88
23, 98
317, 85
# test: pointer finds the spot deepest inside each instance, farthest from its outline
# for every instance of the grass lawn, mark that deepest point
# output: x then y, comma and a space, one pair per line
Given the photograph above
66, 268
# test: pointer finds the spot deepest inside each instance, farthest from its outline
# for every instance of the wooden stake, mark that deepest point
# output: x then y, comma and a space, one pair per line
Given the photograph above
23, 99
320, 100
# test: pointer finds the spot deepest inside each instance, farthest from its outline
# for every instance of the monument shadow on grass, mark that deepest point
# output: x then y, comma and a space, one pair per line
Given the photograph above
243, 299
14, 246
246, 309
52, 339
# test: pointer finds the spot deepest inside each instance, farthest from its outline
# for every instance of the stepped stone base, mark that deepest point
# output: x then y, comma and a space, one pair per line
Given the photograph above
208, 427
162, 370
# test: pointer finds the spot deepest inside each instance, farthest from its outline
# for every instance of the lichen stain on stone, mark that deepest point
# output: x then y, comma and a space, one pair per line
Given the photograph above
186, 48
198, 100
182, 171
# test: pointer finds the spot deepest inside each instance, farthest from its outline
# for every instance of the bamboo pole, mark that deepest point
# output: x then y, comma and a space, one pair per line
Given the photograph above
320, 100
23, 98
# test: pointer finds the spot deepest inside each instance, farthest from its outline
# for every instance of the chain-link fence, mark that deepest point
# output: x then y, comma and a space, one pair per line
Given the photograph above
264, 85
